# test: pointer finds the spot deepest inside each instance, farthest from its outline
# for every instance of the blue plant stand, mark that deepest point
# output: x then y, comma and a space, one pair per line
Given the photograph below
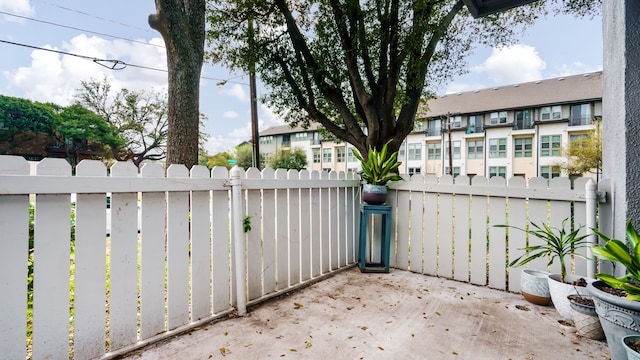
385, 238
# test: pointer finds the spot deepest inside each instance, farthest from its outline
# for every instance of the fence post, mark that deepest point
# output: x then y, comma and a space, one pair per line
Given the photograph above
238, 240
591, 203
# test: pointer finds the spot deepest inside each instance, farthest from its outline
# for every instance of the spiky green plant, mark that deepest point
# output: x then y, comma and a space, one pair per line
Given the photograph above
558, 243
629, 256
377, 169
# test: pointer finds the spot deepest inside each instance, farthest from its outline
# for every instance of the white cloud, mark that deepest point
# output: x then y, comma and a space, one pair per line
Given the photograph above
574, 68
512, 64
230, 114
55, 77
16, 7
237, 91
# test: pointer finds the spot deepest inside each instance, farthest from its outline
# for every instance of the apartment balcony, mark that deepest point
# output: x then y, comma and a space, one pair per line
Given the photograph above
206, 263
400, 315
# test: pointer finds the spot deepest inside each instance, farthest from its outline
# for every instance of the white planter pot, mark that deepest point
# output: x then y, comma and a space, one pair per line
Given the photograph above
559, 292
534, 285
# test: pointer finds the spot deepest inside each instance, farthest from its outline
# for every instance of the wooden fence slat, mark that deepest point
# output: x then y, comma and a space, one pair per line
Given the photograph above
325, 227
305, 229
497, 239
479, 214
342, 226
200, 248
445, 241
269, 236
333, 240
14, 254
401, 249
90, 267
221, 244
461, 230
538, 214
316, 228
282, 233
517, 240
51, 266
177, 252
254, 246
294, 231
123, 293
416, 234
431, 229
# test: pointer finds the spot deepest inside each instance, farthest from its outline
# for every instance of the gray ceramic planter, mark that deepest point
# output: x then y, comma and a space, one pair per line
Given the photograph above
535, 286
631, 354
374, 194
619, 317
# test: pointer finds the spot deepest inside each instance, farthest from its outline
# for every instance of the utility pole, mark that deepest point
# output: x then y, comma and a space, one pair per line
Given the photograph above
255, 138
450, 148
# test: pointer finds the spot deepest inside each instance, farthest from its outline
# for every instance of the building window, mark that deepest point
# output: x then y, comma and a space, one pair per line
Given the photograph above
340, 153
286, 139
523, 119
498, 171
434, 151
326, 155
474, 149
455, 150
551, 112
415, 151
456, 171
498, 117
350, 156
316, 156
456, 121
550, 172
550, 145
522, 147
580, 115
401, 153
434, 127
498, 148
414, 170
418, 125
300, 136
266, 140
475, 124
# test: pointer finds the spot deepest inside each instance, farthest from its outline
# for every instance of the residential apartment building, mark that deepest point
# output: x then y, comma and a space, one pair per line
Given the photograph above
514, 130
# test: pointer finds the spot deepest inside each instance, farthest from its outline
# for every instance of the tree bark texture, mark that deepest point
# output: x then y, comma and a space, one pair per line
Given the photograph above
181, 24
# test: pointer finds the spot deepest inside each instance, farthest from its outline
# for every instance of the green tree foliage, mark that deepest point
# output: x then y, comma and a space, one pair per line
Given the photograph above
219, 159
81, 130
25, 119
244, 155
359, 68
284, 159
139, 117
584, 154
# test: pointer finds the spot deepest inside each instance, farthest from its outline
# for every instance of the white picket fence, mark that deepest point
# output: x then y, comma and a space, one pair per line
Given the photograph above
170, 261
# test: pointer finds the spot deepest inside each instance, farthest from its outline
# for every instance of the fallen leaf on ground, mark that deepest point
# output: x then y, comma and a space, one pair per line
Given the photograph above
224, 351
523, 307
364, 328
380, 347
298, 306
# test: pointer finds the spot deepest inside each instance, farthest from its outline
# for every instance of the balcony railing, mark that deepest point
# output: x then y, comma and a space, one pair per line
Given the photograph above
189, 259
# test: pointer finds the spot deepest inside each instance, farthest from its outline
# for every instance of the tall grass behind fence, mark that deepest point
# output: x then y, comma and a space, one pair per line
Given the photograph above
445, 228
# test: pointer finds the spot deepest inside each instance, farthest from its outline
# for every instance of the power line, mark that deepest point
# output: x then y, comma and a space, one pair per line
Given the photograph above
94, 16
79, 29
109, 63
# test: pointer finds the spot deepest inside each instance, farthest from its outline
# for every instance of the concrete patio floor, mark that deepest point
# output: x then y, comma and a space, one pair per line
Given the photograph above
400, 315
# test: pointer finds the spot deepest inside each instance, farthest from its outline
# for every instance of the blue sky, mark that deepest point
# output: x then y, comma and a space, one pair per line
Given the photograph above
555, 46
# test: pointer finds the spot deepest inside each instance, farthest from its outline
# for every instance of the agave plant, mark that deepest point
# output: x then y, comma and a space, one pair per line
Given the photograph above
377, 169
558, 243
629, 256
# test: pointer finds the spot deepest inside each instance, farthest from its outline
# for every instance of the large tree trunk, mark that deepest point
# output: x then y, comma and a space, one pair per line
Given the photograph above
181, 23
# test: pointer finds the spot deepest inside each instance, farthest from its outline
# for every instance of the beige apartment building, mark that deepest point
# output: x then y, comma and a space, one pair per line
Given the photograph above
513, 130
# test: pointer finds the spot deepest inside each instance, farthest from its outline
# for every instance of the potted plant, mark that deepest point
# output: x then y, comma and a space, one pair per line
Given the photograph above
585, 318
631, 345
556, 244
377, 171
617, 299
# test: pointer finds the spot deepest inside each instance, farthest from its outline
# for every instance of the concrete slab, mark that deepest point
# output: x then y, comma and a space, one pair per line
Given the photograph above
400, 315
